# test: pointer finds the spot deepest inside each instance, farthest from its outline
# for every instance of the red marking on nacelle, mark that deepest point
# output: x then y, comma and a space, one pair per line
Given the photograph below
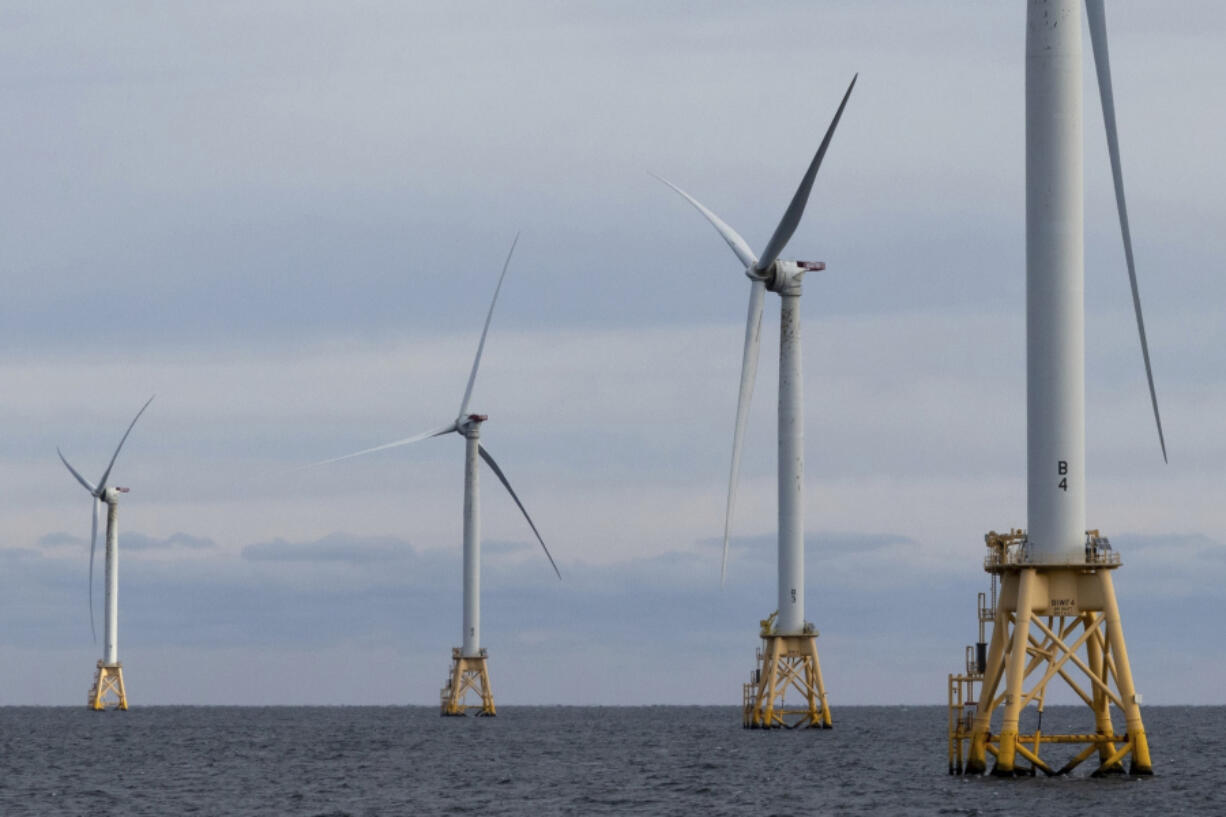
811, 265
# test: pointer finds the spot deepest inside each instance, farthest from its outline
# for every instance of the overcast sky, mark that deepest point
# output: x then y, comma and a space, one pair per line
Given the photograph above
286, 220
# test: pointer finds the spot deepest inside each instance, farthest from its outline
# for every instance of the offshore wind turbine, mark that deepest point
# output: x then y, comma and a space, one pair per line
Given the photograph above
789, 654
108, 690
469, 671
1057, 612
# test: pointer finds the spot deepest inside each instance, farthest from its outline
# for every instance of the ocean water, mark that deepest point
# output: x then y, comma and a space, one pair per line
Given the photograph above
557, 760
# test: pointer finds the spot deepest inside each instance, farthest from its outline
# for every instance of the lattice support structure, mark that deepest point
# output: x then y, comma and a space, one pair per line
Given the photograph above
469, 680
108, 691
786, 664
1052, 622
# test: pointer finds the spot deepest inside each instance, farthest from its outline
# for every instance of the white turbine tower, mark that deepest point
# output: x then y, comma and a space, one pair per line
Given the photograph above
108, 690
1057, 608
468, 669
789, 657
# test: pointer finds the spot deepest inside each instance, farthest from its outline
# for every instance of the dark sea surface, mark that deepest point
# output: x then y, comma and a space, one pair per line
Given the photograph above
558, 760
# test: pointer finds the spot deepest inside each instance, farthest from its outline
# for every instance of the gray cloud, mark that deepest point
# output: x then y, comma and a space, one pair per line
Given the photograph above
335, 547
224, 180
60, 539
131, 541
137, 541
503, 547
826, 542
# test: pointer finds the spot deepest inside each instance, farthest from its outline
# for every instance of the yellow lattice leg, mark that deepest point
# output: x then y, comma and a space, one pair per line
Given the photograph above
1099, 700
1123, 678
767, 690
819, 710
1015, 674
977, 754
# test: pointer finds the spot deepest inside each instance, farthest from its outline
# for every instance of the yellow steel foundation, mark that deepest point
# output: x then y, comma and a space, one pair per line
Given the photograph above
108, 690
469, 679
786, 663
1051, 621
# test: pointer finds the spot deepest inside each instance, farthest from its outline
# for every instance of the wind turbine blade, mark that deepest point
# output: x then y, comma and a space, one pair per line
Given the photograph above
730, 235
107, 472
89, 486
1097, 18
472, 377
791, 217
425, 435
489, 460
749, 371
93, 539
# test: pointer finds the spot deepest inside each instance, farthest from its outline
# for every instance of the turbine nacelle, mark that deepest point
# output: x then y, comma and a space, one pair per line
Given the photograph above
470, 424
783, 276
110, 495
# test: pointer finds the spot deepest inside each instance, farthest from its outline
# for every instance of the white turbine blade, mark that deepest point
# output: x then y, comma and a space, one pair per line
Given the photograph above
791, 217
1096, 15
107, 472
93, 539
89, 486
730, 235
489, 460
425, 435
472, 377
749, 371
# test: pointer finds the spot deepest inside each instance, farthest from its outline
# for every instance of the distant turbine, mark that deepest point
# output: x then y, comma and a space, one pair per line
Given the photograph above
108, 689
790, 637
469, 671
